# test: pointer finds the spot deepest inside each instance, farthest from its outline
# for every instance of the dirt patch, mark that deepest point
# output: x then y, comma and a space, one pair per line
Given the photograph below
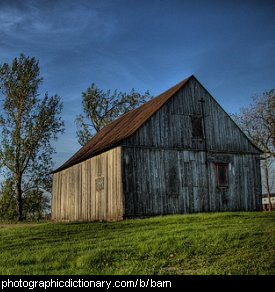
13, 225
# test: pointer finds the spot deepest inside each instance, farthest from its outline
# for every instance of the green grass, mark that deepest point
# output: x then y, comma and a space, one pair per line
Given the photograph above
214, 243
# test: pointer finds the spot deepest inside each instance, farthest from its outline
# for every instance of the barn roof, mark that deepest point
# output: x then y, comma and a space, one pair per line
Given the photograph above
122, 127
127, 124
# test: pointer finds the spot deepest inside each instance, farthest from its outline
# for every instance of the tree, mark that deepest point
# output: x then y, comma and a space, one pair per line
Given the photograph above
7, 200
101, 107
35, 204
28, 125
258, 123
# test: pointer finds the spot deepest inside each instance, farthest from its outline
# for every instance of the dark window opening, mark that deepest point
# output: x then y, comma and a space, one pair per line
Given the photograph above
197, 129
221, 172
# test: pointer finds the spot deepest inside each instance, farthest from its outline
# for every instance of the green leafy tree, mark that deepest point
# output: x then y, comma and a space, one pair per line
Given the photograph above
258, 122
28, 125
101, 107
7, 200
35, 204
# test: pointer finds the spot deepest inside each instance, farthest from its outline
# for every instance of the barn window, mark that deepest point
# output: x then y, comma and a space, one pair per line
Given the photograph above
221, 172
197, 129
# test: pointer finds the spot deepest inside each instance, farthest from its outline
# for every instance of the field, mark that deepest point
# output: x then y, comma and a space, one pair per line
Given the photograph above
214, 243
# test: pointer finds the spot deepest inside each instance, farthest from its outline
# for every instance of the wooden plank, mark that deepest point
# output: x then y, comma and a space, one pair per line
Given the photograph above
58, 199
54, 195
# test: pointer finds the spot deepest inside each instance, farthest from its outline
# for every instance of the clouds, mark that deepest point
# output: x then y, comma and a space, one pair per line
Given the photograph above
57, 21
143, 44
9, 20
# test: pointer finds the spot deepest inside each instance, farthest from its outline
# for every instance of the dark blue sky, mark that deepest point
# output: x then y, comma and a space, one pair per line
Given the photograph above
228, 45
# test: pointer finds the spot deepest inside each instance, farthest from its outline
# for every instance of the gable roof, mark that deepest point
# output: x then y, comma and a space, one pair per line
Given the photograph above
127, 124
122, 127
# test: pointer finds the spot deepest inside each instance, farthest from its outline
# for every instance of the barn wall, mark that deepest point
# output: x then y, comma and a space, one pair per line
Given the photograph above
170, 127
175, 181
89, 191
165, 169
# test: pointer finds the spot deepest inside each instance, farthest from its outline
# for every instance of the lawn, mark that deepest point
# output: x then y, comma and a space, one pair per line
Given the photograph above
209, 243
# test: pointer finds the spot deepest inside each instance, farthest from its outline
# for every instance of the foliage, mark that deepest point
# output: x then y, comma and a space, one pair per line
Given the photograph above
214, 243
101, 107
35, 204
28, 124
7, 200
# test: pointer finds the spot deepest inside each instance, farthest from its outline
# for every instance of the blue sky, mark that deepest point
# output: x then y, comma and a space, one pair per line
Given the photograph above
228, 45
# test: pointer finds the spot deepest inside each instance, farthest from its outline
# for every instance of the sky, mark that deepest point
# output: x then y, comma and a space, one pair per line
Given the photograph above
153, 44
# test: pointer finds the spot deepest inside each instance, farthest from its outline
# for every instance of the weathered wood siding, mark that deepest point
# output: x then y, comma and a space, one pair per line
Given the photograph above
175, 181
170, 127
166, 171
89, 191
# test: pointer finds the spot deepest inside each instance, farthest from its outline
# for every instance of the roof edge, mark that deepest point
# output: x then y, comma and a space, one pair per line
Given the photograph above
174, 89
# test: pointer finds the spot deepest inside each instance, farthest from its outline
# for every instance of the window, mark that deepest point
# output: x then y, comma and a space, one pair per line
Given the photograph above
197, 131
221, 172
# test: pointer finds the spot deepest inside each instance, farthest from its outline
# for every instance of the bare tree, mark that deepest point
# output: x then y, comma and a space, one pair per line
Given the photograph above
258, 123
268, 181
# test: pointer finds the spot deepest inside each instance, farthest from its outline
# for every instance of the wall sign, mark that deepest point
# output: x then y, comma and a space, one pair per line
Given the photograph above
99, 183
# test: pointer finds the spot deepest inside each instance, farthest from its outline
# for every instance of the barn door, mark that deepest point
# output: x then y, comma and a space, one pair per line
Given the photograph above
194, 195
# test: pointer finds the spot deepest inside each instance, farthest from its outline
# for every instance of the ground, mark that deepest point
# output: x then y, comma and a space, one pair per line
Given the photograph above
214, 243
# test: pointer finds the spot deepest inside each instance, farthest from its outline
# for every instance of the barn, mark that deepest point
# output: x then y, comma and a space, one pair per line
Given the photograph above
178, 153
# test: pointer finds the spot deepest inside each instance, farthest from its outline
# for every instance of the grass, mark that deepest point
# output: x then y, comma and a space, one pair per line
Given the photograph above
214, 243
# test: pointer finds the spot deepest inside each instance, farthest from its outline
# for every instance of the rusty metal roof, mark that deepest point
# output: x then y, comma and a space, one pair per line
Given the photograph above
121, 128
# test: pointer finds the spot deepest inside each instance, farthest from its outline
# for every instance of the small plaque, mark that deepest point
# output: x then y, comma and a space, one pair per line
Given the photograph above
99, 183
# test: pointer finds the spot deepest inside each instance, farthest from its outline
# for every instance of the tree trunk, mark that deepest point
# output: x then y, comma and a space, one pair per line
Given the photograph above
267, 185
19, 199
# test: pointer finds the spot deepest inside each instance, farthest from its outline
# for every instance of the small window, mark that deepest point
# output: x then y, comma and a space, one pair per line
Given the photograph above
221, 172
197, 131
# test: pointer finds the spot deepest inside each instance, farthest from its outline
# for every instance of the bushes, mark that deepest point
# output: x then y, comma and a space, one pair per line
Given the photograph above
36, 203
7, 201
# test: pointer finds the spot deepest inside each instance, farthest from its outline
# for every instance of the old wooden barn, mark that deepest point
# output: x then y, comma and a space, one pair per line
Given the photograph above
178, 153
